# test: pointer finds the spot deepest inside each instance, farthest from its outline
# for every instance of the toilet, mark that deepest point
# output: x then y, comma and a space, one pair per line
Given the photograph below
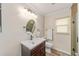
49, 46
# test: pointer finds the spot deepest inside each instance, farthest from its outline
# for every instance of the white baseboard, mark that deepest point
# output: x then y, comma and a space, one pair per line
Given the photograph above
63, 51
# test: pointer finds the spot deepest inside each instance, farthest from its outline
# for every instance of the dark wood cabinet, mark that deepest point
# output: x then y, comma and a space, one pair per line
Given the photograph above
37, 51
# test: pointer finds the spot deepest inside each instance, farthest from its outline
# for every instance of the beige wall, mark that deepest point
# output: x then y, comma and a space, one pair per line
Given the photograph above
61, 42
12, 29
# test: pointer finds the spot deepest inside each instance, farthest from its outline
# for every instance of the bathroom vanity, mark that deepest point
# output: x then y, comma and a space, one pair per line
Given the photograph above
34, 47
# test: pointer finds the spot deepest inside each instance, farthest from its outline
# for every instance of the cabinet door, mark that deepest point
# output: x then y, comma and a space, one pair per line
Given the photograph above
74, 20
39, 50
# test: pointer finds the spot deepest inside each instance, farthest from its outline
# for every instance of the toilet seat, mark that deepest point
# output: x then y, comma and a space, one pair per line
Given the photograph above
49, 45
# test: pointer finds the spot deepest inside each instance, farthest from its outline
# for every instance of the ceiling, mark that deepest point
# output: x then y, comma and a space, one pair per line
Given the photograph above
45, 8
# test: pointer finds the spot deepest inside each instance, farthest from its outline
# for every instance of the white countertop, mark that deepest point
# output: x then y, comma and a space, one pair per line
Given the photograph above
30, 44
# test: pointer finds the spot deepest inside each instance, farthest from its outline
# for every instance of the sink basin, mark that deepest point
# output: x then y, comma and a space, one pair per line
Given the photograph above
33, 42
30, 44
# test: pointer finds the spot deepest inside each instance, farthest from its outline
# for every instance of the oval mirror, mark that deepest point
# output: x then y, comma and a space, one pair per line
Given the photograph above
30, 26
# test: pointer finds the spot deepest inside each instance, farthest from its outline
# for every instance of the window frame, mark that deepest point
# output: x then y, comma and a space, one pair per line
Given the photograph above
68, 25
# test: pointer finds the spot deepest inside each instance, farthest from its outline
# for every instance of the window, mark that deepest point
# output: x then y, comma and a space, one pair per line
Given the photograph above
62, 25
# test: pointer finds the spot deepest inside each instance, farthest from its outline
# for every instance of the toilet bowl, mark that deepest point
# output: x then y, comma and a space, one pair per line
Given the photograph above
49, 46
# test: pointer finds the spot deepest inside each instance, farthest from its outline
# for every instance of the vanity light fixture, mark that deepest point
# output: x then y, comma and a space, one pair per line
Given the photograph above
30, 14
26, 13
